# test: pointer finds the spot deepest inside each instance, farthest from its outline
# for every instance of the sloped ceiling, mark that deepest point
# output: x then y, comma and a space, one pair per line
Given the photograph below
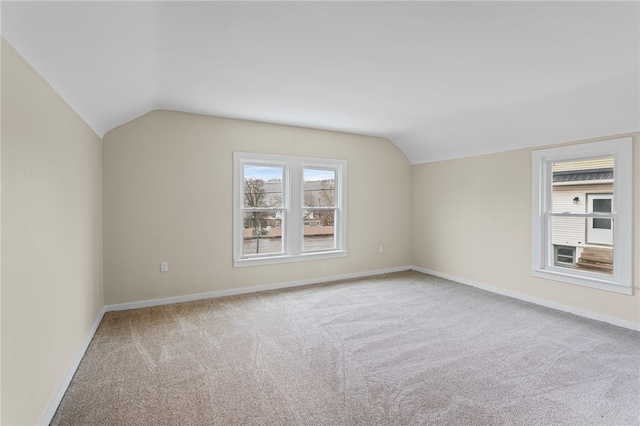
439, 79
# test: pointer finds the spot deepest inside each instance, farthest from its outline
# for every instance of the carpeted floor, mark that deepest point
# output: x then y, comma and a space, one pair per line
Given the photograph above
397, 349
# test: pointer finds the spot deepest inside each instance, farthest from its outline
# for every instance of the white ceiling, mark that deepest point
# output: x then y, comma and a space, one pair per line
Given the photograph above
439, 79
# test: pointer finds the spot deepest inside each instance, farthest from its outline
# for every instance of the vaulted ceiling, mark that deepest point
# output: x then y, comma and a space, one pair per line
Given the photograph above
439, 79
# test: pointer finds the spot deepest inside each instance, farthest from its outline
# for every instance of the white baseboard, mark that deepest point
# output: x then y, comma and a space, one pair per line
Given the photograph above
62, 388
245, 290
538, 301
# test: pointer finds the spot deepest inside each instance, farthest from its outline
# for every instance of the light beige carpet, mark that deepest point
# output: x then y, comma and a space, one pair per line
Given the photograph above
398, 349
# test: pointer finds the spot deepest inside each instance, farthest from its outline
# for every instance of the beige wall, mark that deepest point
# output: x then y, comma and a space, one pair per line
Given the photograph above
51, 239
472, 219
168, 197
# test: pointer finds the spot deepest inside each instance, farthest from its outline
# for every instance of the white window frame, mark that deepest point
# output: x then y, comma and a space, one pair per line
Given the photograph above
542, 265
293, 208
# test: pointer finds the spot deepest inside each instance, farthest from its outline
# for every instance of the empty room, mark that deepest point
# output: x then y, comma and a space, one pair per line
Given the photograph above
320, 213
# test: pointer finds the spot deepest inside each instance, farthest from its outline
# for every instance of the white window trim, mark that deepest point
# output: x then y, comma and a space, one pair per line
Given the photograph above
292, 223
622, 211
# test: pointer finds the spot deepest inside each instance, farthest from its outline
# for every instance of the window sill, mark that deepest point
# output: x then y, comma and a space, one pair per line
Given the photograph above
269, 260
600, 283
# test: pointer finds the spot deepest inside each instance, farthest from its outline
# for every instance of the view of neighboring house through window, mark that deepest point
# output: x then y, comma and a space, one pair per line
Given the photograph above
581, 223
288, 208
581, 187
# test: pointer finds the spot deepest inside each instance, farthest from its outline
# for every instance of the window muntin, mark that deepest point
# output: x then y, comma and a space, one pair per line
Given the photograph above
288, 208
261, 233
605, 264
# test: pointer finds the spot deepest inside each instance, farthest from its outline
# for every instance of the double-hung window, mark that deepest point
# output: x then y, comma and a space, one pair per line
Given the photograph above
582, 214
288, 208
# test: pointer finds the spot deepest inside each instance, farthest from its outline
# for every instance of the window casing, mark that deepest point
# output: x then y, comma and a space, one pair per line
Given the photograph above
608, 213
276, 200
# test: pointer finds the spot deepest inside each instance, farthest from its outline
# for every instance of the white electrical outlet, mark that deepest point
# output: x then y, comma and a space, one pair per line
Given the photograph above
381, 249
164, 266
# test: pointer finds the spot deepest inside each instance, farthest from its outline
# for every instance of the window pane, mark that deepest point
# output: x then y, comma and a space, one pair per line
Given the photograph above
263, 186
592, 253
262, 233
319, 187
596, 259
318, 230
573, 180
568, 231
